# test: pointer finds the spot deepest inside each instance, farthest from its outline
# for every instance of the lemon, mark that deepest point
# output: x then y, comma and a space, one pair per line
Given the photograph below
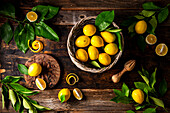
138, 96
34, 69
82, 41
32, 16
104, 59
108, 37
89, 30
161, 49
141, 27
151, 39
40, 83
97, 41
93, 53
111, 49
64, 94
82, 55
77, 94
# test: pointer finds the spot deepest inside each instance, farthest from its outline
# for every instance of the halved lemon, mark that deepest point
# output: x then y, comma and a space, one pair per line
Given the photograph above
32, 16
161, 49
41, 84
77, 94
37, 46
151, 39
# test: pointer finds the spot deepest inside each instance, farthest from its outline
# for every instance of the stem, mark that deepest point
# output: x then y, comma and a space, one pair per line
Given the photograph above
12, 19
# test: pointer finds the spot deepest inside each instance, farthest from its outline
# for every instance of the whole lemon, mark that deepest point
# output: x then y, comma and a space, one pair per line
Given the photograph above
82, 55
111, 49
108, 37
89, 30
141, 27
97, 41
65, 92
82, 41
104, 59
93, 53
34, 69
138, 96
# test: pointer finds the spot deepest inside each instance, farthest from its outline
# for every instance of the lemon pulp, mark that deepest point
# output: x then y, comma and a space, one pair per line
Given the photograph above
77, 94
151, 39
161, 49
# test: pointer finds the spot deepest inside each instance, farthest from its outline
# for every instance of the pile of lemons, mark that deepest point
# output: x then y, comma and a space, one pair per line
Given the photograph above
93, 43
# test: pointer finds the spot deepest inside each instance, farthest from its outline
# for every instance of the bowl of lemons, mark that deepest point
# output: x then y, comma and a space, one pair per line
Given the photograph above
92, 50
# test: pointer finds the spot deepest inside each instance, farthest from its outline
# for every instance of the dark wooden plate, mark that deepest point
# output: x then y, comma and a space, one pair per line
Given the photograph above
50, 71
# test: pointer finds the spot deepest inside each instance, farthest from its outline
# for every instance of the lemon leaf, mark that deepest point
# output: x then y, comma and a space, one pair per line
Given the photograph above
144, 78
139, 17
163, 15
26, 104
117, 92
153, 23
125, 90
147, 13
96, 64
130, 111
19, 87
153, 78
131, 28
12, 97
5, 95
22, 69
52, 11
62, 97
7, 9
157, 101
150, 110
11, 79
163, 87
150, 6
41, 107
43, 10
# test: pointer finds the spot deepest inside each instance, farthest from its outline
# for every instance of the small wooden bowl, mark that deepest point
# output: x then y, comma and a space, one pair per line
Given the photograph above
77, 31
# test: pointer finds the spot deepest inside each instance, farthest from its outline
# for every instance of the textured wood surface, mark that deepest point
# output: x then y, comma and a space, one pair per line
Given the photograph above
97, 88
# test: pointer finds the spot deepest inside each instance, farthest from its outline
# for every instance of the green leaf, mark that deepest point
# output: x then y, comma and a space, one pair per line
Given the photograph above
41, 107
150, 110
141, 43
52, 11
129, 21
113, 30
34, 110
147, 13
21, 110
157, 101
104, 19
119, 40
145, 72
139, 17
62, 97
140, 107
149, 28
121, 99
41, 10
26, 104
41, 29
153, 78
125, 90
147, 97
163, 15
5, 95
6, 32
11, 79
150, 6
22, 69
96, 64
20, 88
7, 9
117, 92
144, 78
163, 87
18, 103
130, 111
29, 93
12, 97
153, 22
131, 28
142, 86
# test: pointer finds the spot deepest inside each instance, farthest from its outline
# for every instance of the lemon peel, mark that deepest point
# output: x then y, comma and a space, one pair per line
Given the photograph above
74, 76
40, 46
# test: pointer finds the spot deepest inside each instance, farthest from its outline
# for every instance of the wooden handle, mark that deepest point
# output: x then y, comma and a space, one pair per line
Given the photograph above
116, 77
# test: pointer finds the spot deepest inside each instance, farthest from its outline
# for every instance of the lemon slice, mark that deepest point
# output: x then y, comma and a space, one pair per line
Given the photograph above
32, 16
161, 49
77, 94
151, 39
41, 84
37, 46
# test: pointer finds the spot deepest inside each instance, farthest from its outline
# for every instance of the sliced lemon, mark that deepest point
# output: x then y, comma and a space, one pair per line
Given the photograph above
151, 39
74, 76
37, 46
32, 16
77, 94
161, 49
41, 84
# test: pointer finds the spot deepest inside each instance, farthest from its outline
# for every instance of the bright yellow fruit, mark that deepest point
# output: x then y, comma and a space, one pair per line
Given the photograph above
108, 37
34, 69
32, 16
93, 53
138, 96
97, 41
77, 94
64, 92
111, 49
89, 30
141, 27
82, 41
82, 55
40, 83
161, 49
104, 59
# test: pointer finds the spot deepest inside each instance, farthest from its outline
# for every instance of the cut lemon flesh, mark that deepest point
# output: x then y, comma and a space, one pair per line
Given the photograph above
161, 49
37, 46
41, 84
151, 39
77, 94
32, 16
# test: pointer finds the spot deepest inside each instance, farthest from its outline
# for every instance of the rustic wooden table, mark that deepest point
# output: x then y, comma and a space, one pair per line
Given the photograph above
97, 88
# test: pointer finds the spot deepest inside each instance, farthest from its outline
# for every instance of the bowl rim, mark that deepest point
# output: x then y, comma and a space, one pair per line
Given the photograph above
82, 66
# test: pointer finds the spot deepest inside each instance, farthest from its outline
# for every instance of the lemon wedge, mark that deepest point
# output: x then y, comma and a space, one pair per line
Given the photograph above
41, 84
77, 94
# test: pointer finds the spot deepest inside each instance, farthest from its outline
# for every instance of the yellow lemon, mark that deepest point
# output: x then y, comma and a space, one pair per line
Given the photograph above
111, 49
108, 37
104, 59
82, 55
97, 41
40, 83
151, 39
138, 96
141, 27
161, 49
89, 30
64, 94
34, 69
82, 41
32, 16
93, 53
77, 94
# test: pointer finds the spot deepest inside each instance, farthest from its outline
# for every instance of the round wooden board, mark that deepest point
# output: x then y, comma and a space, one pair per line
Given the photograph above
50, 71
